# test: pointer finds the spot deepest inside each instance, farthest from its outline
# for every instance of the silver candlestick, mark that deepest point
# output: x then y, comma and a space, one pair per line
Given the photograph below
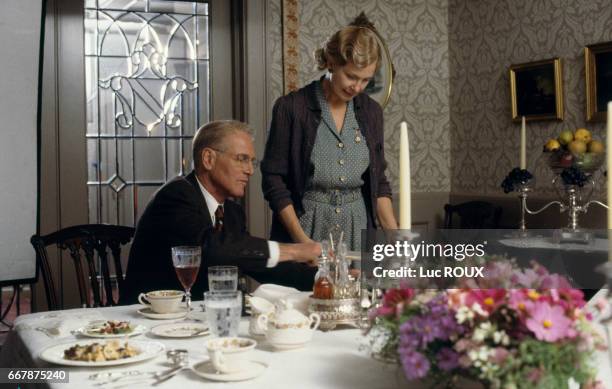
573, 205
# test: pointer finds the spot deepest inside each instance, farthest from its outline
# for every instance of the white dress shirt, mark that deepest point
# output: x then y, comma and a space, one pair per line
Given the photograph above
212, 205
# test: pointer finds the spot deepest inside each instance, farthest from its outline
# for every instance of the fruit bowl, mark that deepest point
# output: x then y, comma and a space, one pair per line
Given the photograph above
587, 162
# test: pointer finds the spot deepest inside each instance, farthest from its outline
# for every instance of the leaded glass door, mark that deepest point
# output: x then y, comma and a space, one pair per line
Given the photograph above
147, 91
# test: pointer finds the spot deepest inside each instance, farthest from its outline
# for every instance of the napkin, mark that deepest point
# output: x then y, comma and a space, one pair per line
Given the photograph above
299, 301
273, 292
58, 324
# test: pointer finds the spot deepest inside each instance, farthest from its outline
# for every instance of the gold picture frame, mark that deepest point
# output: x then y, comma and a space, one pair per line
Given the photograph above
536, 90
598, 71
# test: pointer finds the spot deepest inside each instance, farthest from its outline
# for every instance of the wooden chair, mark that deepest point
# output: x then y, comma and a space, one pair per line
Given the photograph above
88, 239
473, 215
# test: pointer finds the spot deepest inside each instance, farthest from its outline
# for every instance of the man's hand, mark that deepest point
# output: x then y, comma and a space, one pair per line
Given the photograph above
300, 252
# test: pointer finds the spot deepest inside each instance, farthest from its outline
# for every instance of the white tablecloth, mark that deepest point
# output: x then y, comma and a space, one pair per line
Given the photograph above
596, 245
332, 360
335, 359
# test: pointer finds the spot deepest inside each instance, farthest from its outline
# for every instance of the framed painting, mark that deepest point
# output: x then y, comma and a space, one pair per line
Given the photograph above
598, 70
536, 90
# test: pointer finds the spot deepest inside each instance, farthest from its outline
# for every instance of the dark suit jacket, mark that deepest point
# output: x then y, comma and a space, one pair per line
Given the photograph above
176, 216
286, 166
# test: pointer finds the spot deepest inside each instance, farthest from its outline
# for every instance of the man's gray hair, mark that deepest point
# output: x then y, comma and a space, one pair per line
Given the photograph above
213, 134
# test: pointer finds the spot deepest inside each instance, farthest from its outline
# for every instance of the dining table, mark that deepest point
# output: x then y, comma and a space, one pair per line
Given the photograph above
339, 358
334, 359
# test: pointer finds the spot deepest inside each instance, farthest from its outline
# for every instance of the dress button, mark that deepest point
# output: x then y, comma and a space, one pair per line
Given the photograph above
341, 161
337, 225
338, 210
340, 145
342, 179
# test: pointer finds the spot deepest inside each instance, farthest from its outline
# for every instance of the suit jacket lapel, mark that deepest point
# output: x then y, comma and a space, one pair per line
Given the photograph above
191, 178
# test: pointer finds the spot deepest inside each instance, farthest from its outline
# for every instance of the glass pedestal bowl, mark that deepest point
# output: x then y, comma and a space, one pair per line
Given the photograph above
588, 163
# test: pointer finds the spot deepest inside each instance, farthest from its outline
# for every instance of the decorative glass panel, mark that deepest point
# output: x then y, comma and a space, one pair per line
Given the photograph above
147, 88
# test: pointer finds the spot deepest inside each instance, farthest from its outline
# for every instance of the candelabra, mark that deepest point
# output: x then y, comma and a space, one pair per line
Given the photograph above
575, 202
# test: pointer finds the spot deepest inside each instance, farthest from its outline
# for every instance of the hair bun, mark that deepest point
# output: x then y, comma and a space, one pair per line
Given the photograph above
362, 21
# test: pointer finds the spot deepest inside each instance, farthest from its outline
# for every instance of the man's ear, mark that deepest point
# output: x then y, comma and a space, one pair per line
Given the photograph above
208, 158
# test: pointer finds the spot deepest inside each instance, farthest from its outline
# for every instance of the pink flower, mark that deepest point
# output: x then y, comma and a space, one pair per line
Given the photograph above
528, 278
548, 323
521, 300
554, 281
488, 299
393, 303
499, 355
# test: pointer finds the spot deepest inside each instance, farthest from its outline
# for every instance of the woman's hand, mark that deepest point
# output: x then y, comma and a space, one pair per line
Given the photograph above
384, 212
291, 223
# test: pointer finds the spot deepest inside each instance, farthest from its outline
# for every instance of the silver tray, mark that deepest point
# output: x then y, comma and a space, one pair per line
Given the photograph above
335, 312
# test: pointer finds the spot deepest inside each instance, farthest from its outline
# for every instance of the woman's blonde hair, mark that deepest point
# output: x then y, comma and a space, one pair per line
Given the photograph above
353, 43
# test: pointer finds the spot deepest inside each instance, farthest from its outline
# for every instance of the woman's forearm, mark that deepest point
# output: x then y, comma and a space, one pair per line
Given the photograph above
384, 211
291, 223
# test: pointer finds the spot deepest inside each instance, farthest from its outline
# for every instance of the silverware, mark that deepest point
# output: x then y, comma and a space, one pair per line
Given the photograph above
200, 332
119, 376
50, 332
179, 358
162, 377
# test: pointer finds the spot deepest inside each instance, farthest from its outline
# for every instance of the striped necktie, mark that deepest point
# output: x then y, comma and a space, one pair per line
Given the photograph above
219, 219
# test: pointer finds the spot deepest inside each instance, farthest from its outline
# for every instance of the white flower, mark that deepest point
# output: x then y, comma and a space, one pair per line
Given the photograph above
464, 314
473, 354
501, 337
478, 309
483, 353
479, 335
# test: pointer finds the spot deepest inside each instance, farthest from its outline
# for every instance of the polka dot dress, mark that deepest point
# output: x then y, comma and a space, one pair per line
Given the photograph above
333, 197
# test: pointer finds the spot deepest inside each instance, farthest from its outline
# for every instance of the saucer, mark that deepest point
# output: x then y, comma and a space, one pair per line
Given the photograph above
148, 312
207, 370
288, 346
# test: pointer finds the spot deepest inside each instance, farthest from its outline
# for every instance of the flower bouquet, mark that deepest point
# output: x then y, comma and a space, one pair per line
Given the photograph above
527, 330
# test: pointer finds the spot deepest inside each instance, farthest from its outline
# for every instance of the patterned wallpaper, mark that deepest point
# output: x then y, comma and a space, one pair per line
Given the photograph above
452, 59
417, 37
486, 37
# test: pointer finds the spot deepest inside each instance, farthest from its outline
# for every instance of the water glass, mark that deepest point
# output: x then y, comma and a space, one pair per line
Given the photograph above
222, 278
223, 312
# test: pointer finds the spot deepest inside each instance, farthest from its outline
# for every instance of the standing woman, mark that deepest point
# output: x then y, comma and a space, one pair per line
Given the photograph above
324, 163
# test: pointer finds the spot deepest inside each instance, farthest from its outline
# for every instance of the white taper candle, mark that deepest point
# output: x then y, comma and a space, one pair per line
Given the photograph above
404, 175
523, 152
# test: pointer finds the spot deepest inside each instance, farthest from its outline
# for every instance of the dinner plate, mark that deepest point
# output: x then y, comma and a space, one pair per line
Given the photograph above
55, 354
86, 331
148, 312
207, 370
180, 330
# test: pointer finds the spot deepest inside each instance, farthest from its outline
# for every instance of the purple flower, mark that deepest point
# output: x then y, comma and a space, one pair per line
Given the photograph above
528, 278
447, 359
415, 364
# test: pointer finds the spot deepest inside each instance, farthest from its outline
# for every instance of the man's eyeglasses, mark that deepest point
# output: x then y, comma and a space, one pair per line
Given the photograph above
243, 159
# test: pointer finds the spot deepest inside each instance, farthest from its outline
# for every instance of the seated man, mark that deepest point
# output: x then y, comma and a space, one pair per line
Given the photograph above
196, 210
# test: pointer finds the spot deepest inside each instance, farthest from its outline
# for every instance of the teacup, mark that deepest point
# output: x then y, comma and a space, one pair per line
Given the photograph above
162, 301
228, 354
